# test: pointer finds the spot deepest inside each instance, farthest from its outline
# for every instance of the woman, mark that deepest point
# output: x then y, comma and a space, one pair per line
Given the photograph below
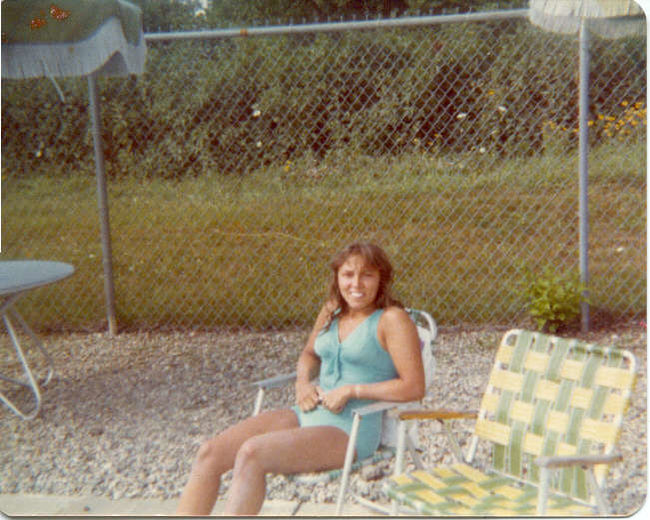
364, 347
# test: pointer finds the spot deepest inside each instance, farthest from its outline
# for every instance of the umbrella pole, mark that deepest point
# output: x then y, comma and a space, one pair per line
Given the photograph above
102, 200
584, 170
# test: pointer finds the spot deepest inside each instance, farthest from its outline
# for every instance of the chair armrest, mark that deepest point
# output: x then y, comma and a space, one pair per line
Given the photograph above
548, 463
577, 460
378, 406
275, 382
272, 382
439, 415
408, 415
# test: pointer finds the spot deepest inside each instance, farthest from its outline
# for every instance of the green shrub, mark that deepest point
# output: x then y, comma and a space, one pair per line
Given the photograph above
553, 300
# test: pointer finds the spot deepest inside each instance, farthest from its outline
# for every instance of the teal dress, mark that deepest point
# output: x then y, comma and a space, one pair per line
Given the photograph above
359, 359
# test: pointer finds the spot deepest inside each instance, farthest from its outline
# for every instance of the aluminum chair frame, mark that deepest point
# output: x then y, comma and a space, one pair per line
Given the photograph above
551, 405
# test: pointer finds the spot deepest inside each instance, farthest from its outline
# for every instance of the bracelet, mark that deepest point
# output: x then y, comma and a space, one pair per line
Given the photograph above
356, 391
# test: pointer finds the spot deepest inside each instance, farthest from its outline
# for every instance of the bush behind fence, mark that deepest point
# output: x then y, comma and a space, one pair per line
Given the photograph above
464, 133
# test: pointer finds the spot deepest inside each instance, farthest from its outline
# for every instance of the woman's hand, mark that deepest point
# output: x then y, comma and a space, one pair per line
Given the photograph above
335, 400
307, 396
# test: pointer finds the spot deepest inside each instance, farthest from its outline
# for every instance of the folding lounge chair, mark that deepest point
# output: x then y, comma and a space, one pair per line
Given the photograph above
551, 414
427, 330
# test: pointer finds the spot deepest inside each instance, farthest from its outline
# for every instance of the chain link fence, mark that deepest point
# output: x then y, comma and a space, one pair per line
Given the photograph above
238, 164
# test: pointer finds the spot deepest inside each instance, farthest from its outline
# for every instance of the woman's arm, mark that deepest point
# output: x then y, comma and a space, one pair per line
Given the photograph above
307, 396
399, 336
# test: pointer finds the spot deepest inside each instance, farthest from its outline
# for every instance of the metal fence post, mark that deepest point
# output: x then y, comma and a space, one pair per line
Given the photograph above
584, 169
102, 200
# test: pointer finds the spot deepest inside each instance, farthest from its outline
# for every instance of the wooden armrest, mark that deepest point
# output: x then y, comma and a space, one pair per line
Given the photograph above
408, 415
379, 406
274, 382
550, 462
577, 460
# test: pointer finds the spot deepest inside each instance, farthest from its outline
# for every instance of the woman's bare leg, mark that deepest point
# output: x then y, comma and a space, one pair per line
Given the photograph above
217, 456
288, 451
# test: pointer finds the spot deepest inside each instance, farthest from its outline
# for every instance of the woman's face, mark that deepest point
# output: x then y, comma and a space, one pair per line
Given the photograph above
358, 283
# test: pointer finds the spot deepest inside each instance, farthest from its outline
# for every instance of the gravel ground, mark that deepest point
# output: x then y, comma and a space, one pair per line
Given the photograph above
124, 416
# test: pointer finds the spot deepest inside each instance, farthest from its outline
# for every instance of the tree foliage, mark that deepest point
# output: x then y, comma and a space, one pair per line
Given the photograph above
231, 106
175, 15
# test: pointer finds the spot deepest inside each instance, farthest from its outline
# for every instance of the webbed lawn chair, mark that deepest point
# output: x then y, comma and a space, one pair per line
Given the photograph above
427, 330
551, 413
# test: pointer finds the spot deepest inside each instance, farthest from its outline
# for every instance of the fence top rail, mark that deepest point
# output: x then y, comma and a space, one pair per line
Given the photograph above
408, 21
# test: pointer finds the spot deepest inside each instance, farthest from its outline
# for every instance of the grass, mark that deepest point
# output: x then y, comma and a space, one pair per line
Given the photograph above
229, 251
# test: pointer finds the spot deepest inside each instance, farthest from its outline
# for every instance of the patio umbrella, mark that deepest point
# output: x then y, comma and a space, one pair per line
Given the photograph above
58, 38
608, 19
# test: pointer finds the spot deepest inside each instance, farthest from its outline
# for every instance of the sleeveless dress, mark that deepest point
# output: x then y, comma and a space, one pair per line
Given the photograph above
359, 359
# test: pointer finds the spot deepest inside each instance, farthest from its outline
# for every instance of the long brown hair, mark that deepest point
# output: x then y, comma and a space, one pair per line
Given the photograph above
373, 255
